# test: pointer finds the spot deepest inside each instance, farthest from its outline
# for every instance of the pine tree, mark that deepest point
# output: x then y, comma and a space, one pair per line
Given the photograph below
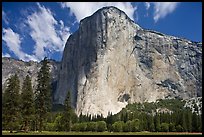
157, 122
189, 120
195, 121
184, 125
200, 123
43, 95
27, 102
11, 111
81, 118
151, 126
67, 113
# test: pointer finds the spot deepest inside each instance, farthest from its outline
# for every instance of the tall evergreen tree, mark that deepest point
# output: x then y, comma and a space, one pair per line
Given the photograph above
67, 113
27, 102
11, 111
184, 124
200, 123
195, 121
189, 120
151, 126
43, 95
157, 122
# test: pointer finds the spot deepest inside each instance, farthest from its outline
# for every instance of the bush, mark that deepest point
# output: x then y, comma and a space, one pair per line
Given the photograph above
118, 126
172, 127
164, 127
50, 127
125, 127
135, 125
82, 126
131, 126
76, 127
109, 127
179, 128
58, 123
91, 126
101, 126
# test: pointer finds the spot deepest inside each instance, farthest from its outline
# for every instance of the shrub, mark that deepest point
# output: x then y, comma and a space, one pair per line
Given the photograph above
50, 127
135, 125
101, 126
118, 126
179, 128
91, 126
82, 126
172, 127
164, 127
58, 123
75, 127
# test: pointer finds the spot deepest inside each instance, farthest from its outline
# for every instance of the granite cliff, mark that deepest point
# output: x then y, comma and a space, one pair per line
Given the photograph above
10, 66
110, 61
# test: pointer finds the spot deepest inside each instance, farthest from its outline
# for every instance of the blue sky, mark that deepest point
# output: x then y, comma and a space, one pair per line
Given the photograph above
32, 30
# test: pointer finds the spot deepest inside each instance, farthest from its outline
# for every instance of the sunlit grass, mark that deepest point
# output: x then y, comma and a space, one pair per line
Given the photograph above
99, 133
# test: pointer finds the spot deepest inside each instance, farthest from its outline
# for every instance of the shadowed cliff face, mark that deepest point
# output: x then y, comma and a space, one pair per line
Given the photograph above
11, 66
110, 61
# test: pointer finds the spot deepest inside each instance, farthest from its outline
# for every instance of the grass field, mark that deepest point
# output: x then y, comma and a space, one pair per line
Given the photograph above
99, 133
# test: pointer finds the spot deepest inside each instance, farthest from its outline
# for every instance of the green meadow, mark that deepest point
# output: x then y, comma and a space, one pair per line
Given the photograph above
99, 133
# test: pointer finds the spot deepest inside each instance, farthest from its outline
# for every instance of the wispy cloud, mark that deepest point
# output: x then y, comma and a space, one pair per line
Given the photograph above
5, 18
13, 42
147, 5
162, 9
84, 9
47, 39
48, 34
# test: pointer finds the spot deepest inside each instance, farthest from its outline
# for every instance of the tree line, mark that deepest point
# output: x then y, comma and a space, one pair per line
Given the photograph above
32, 111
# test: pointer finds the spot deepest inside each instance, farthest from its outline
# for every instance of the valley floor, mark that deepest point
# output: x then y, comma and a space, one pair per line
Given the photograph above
99, 133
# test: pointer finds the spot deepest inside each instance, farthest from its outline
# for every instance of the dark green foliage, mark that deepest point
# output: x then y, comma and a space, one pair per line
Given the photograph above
150, 120
124, 115
184, 125
172, 127
118, 126
82, 126
164, 127
144, 123
50, 127
179, 128
135, 125
92, 126
58, 122
101, 126
109, 119
75, 127
67, 114
27, 103
189, 120
11, 105
43, 95
195, 122
157, 122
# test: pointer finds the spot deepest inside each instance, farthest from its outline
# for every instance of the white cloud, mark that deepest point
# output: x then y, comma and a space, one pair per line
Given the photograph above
147, 5
5, 18
49, 34
13, 42
6, 55
162, 9
84, 9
